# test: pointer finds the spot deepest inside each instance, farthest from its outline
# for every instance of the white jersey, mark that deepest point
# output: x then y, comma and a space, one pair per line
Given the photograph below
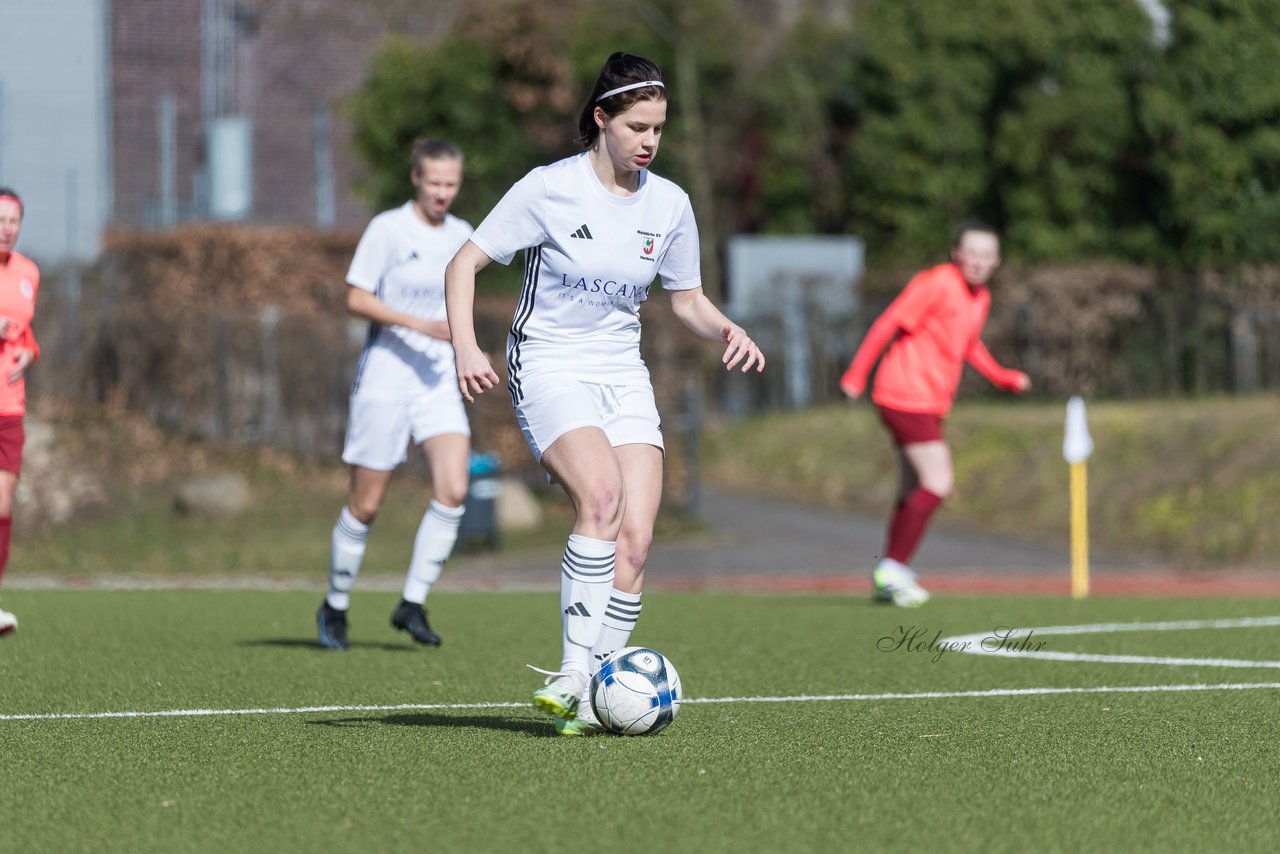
590, 257
401, 260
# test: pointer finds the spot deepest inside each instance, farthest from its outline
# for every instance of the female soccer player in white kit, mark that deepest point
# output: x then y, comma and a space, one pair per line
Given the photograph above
404, 389
596, 229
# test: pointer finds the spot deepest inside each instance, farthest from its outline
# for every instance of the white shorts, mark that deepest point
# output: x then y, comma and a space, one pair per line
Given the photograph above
378, 431
555, 404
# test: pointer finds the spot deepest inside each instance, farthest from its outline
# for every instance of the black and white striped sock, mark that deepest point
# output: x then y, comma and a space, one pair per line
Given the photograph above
431, 547
619, 622
345, 553
586, 579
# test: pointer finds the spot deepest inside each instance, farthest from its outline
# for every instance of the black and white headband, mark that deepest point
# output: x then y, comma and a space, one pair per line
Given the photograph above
629, 87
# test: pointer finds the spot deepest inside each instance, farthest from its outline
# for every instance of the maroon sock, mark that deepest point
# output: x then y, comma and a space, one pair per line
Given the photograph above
6, 527
906, 528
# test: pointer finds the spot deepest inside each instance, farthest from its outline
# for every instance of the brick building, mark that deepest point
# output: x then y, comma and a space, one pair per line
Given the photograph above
261, 81
113, 112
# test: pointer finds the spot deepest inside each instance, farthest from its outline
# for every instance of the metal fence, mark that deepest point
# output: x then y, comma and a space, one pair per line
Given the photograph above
281, 377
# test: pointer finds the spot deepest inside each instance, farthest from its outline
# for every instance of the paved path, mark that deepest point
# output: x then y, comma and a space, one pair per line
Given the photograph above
760, 544
753, 534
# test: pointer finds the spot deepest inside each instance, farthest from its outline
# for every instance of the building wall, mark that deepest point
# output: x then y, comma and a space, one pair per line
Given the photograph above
155, 52
53, 123
292, 58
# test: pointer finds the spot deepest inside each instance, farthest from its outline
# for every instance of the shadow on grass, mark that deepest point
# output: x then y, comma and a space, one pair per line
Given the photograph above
540, 728
310, 643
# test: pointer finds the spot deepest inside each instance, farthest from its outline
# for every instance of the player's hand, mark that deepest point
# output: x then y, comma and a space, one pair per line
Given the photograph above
740, 349
1019, 383
850, 386
7, 325
21, 362
475, 374
851, 391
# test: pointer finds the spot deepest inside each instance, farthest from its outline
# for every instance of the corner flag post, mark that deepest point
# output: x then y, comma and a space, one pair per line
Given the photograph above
1077, 445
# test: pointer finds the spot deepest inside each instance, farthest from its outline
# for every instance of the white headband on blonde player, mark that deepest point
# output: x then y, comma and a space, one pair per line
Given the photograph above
629, 87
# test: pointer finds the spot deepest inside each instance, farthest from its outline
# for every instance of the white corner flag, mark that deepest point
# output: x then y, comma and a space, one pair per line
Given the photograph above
1077, 444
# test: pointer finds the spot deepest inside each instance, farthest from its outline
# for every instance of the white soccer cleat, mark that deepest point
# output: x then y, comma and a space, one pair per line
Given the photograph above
8, 622
896, 584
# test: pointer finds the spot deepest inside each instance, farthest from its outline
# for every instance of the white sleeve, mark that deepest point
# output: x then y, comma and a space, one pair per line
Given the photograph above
373, 256
517, 222
681, 266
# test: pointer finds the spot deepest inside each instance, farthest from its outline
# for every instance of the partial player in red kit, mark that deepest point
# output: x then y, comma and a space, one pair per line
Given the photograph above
19, 283
931, 330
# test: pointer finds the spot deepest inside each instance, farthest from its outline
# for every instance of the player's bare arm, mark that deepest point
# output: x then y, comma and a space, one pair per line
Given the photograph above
475, 373
702, 317
367, 306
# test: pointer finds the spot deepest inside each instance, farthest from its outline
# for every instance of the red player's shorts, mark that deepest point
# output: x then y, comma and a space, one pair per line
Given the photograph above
911, 428
12, 437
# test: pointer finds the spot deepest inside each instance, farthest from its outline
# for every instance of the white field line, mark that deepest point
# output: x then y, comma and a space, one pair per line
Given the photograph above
799, 698
1162, 626
1021, 643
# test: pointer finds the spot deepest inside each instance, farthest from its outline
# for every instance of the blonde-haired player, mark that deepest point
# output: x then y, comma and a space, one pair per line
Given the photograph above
405, 389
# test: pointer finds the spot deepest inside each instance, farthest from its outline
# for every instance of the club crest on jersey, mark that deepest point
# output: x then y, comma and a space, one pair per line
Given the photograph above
650, 244
28, 290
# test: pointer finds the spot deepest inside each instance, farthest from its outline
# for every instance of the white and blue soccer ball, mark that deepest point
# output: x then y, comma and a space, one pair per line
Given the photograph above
636, 691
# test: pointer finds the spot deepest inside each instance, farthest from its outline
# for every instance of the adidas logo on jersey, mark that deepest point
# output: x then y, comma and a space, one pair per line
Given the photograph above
583, 232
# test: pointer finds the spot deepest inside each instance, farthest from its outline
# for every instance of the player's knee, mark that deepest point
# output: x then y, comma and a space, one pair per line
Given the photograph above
940, 485
603, 503
633, 551
450, 493
365, 510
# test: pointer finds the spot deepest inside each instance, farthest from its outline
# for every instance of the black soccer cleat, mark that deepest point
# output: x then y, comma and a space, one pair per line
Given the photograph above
332, 624
410, 617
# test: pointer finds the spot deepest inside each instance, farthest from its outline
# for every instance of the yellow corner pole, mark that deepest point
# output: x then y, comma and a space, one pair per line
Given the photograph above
1079, 530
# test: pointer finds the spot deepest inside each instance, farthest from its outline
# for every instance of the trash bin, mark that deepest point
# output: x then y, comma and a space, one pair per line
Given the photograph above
480, 521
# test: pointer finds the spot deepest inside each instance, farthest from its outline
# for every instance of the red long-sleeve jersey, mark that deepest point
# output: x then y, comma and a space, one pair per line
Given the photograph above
931, 329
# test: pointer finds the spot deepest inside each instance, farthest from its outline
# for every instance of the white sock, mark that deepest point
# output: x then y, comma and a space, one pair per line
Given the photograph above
619, 622
586, 580
345, 554
431, 547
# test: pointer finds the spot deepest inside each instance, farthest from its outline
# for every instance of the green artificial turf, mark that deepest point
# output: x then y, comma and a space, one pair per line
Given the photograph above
1152, 771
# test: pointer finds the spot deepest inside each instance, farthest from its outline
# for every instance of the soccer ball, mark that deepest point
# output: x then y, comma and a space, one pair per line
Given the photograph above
636, 691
